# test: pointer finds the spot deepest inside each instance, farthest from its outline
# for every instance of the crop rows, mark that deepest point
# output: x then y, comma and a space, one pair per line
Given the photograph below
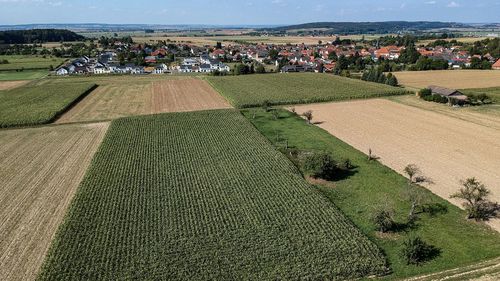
39, 103
253, 90
198, 196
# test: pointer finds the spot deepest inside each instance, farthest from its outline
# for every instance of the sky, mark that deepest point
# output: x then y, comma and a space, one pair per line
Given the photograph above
244, 12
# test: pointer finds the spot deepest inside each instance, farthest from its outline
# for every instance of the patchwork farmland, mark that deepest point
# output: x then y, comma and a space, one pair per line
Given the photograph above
446, 149
196, 196
253, 90
40, 170
115, 99
456, 79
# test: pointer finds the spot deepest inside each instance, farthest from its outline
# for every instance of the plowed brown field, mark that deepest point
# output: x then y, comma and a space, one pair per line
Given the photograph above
7, 85
445, 148
40, 170
115, 100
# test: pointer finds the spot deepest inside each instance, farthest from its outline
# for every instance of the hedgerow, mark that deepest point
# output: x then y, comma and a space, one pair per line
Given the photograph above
39, 103
202, 196
298, 88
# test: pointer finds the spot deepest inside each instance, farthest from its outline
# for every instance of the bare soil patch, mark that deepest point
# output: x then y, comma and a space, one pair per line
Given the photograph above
455, 79
445, 148
7, 85
40, 170
114, 100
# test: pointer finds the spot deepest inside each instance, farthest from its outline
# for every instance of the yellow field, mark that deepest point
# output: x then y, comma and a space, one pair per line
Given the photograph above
460, 39
40, 170
455, 79
309, 40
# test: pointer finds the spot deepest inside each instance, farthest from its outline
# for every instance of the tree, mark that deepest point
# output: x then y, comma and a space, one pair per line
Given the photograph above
415, 195
416, 251
320, 165
392, 80
273, 54
476, 204
425, 93
332, 56
410, 54
308, 115
411, 170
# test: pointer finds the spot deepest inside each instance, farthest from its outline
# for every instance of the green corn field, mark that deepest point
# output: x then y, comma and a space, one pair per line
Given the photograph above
202, 196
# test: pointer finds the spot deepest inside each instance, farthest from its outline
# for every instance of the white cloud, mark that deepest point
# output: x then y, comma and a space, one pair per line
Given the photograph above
453, 4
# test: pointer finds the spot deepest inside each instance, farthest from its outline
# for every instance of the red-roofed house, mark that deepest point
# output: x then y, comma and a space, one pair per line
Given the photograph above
496, 65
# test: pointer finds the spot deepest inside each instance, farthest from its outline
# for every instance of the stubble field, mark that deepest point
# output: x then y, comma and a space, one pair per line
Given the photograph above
455, 79
114, 100
446, 149
40, 170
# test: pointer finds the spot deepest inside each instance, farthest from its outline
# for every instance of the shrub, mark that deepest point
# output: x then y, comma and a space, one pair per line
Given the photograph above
383, 218
320, 165
416, 251
266, 105
345, 164
308, 115
425, 93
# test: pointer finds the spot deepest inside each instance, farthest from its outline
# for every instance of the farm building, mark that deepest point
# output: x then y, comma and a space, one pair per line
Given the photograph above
448, 93
496, 65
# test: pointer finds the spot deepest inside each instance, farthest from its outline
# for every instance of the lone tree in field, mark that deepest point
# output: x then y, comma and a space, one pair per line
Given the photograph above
411, 170
476, 204
308, 115
416, 195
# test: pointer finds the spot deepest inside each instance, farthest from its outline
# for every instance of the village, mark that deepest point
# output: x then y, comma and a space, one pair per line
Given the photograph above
322, 57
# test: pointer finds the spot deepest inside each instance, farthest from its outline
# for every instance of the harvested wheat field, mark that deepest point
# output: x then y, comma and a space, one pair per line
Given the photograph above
185, 95
40, 170
455, 79
115, 100
445, 148
111, 101
7, 85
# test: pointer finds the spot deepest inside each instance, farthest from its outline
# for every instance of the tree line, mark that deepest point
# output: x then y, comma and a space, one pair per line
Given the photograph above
38, 36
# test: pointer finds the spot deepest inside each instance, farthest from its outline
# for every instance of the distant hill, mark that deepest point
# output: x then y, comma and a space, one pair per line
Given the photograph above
38, 36
367, 27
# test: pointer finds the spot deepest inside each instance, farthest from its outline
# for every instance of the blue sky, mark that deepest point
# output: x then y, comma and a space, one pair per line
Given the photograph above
226, 12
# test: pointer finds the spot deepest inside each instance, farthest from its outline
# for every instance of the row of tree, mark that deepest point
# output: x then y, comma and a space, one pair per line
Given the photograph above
377, 76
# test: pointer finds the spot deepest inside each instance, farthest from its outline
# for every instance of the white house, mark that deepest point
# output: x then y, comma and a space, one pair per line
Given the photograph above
62, 71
